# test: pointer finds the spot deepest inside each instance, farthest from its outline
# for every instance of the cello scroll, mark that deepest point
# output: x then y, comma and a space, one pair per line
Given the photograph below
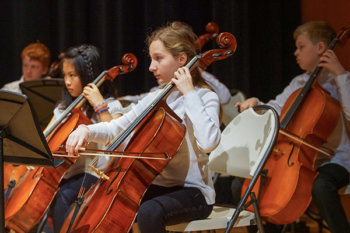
130, 62
228, 45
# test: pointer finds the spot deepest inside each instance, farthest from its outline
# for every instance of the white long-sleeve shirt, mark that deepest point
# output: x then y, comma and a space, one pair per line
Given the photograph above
199, 111
221, 90
339, 88
13, 86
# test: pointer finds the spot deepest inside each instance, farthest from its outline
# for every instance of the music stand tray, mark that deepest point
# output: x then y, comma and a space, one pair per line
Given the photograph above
43, 95
21, 138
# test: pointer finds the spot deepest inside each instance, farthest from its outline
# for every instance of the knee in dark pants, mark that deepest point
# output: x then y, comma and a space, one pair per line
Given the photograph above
322, 190
317, 188
150, 214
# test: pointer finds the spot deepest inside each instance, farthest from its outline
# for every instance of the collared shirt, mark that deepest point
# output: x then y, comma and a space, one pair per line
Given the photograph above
339, 88
13, 86
199, 111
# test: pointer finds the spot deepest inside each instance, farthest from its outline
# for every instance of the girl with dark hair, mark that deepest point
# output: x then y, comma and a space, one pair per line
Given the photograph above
80, 66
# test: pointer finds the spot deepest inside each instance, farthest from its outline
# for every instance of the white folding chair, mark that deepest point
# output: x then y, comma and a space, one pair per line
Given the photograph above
229, 112
245, 145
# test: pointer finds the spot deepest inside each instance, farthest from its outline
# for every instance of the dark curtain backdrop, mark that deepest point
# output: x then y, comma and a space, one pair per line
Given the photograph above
262, 65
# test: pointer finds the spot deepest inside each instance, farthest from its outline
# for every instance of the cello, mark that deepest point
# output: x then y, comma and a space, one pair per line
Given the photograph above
33, 195
285, 192
212, 30
112, 204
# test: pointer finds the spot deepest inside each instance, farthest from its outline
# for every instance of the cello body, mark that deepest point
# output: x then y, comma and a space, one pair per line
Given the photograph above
160, 131
286, 190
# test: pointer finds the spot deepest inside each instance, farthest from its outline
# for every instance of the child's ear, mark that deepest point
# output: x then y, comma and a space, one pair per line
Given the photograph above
182, 58
321, 47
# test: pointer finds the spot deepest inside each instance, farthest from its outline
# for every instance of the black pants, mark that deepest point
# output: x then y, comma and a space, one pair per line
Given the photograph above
331, 178
163, 206
68, 193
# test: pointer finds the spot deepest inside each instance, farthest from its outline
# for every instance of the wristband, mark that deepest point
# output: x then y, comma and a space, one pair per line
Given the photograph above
102, 110
100, 106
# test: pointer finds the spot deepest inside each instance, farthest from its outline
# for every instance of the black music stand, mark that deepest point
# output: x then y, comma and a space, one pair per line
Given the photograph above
43, 95
21, 138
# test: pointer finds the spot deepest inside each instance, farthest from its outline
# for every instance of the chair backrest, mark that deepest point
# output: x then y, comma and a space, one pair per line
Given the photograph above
228, 111
244, 142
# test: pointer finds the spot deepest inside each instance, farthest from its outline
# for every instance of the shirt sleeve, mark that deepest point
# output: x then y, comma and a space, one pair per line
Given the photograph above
115, 106
343, 89
221, 90
203, 112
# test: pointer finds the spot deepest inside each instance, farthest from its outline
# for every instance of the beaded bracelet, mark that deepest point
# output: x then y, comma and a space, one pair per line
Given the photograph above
97, 105
100, 106
102, 110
